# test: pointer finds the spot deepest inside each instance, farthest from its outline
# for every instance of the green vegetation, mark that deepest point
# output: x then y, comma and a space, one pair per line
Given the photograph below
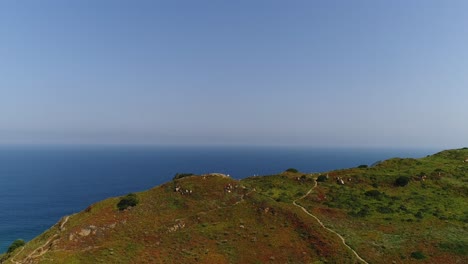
373, 193
430, 212
402, 181
457, 247
293, 170
182, 175
281, 187
16, 244
417, 255
363, 166
321, 178
401, 210
127, 201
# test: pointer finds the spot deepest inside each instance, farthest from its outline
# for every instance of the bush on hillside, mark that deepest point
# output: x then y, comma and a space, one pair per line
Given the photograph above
418, 255
373, 193
127, 201
16, 244
419, 215
459, 247
182, 175
363, 212
292, 170
402, 181
385, 210
363, 166
321, 178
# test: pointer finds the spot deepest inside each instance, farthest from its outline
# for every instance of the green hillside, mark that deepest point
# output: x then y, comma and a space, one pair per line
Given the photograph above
397, 211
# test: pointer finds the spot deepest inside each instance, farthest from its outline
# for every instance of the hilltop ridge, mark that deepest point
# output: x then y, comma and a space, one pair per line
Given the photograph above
400, 211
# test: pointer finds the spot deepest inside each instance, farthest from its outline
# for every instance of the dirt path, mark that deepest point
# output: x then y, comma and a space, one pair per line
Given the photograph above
13, 258
323, 226
43, 248
64, 222
242, 197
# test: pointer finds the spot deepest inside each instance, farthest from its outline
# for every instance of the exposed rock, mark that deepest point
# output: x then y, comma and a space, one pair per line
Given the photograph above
228, 188
85, 232
340, 181
176, 227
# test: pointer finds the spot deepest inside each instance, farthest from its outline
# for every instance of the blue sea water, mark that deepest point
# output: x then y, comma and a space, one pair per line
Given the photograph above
40, 184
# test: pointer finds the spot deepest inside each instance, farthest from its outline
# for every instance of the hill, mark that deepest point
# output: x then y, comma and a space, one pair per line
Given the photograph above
397, 211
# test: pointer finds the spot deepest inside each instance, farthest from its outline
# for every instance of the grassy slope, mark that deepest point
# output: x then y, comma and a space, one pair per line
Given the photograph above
210, 226
427, 216
257, 223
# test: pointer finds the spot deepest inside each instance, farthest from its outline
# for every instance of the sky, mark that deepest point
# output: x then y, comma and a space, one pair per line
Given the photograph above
249, 72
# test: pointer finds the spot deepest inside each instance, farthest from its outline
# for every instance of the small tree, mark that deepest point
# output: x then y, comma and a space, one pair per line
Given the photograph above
321, 178
16, 244
363, 166
129, 200
402, 181
292, 170
182, 175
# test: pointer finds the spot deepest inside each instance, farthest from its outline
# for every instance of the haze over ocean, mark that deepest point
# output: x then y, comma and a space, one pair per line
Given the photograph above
335, 73
42, 184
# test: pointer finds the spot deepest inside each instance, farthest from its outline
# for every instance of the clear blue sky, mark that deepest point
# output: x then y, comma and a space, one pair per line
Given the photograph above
313, 73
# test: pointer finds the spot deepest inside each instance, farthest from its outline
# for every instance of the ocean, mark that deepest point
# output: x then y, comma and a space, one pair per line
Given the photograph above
40, 184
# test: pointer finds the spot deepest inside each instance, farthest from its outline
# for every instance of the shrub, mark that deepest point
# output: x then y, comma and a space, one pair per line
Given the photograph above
403, 208
419, 215
292, 170
361, 213
182, 175
16, 244
402, 181
129, 200
418, 255
373, 193
321, 178
363, 166
459, 247
385, 210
